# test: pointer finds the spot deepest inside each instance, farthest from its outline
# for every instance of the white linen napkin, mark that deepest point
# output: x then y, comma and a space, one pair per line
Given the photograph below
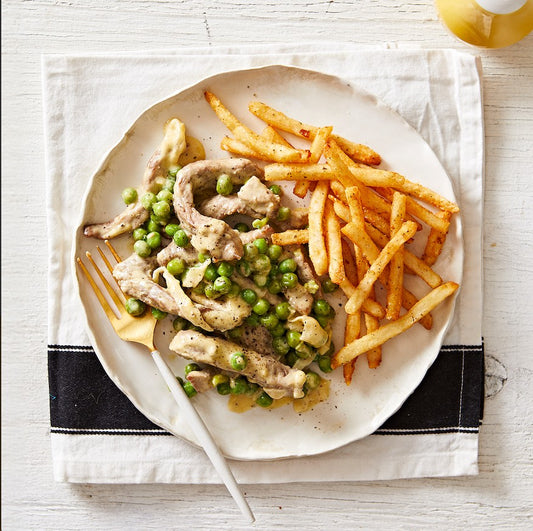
90, 100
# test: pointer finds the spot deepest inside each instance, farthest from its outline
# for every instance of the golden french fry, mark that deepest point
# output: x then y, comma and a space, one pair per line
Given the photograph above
342, 210
418, 211
411, 261
338, 190
394, 328
428, 196
372, 176
334, 246
298, 172
374, 354
238, 148
407, 230
291, 237
351, 333
301, 188
394, 287
290, 125
318, 143
435, 242
350, 265
269, 133
408, 301
275, 152
317, 245
370, 306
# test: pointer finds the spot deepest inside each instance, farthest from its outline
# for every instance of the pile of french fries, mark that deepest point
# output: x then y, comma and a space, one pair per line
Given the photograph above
360, 220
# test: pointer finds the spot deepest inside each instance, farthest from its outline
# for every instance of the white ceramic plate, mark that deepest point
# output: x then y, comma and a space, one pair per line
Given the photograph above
351, 412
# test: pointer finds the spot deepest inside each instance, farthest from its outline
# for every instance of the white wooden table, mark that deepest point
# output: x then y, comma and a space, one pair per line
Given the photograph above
501, 496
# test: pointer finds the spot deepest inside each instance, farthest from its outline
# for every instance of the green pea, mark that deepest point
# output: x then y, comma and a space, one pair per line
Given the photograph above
274, 270
242, 227
321, 307
293, 338
252, 388
142, 248
260, 280
264, 400
240, 386
283, 310
172, 228
176, 266
259, 223
180, 238
210, 292
261, 264
324, 362
139, 234
190, 367
287, 266
236, 333
291, 358
250, 251
159, 314
161, 209
289, 280
323, 321
329, 286
249, 296
269, 321
153, 226
234, 290
129, 195
174, 171
225, 269
222, 285
238, 361
274, 286
312, 286
202, 257
189, 389
280, 345
274, 252
275, 189
219, 379
252, 320
224, 184
211, 272
245, 269
179, 324
284, 213
224, 388
261, 307
135, 307
165, 195
312, 380
153, 239
169, 184
278, 330
147, 200
261, 244
304, 351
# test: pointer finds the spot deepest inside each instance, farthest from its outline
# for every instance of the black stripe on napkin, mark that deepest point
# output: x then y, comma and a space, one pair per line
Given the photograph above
84, 400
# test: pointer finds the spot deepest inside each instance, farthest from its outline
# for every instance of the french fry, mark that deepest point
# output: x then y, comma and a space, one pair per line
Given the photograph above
428, 196
275, 152
301, 188
338, 190
238, 148
408, 301
372, 176
394, 287
291, 237
269, 133
351, 333
371, 323
298, 172
411, 261
317, 245
394, 328
290, 125
407, 230
334, 246
418, 211
435, 242
370, 306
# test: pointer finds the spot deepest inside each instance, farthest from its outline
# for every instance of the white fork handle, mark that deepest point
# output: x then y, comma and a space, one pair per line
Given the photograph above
202, 434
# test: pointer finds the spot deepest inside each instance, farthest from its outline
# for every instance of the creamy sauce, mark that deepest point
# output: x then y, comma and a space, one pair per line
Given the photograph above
194, 150
173, 144
243, 403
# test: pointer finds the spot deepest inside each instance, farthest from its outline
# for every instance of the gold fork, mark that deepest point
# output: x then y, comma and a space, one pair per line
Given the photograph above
141, 330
